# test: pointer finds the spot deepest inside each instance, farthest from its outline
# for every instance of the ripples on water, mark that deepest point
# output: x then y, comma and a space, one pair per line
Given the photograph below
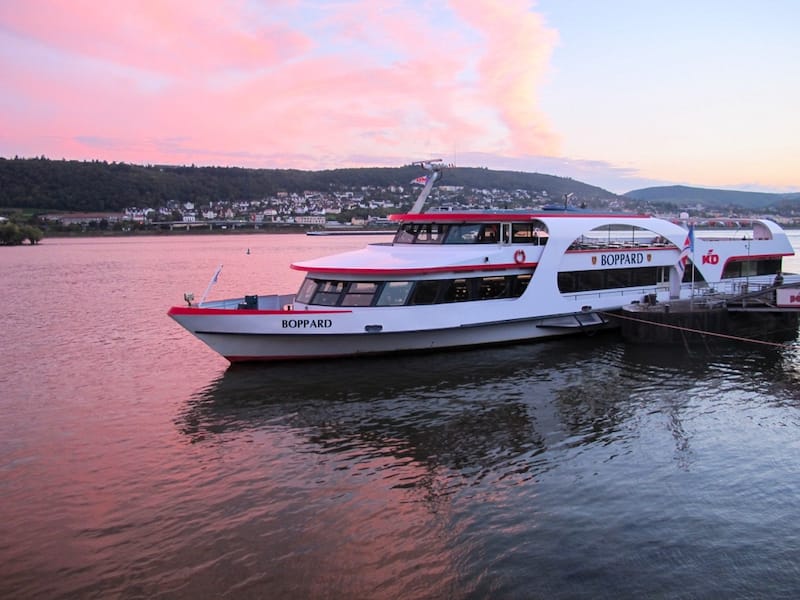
135, 464
546, 469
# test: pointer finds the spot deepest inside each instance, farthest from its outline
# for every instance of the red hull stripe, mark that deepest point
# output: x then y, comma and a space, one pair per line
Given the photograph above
196, 311
502, 217
414, 271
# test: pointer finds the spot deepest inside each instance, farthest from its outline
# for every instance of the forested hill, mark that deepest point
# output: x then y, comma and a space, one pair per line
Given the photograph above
45, 184
681, 195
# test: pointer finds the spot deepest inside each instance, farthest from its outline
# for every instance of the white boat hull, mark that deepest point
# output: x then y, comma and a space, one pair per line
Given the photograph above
543, 276
240, 342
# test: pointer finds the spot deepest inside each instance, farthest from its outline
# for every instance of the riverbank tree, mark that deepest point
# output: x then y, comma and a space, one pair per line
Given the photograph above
12, 234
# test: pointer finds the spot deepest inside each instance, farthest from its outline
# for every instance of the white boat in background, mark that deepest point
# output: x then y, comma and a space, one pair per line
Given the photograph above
452, 280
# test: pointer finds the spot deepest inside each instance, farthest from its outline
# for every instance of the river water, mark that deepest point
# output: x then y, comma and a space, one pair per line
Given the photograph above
135, 463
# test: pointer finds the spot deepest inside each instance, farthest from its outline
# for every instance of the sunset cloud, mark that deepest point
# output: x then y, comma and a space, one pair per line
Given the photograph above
514, 59
305, 85
315, 84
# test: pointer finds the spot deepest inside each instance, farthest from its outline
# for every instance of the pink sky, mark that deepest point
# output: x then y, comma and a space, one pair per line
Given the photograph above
293, 84
212, 82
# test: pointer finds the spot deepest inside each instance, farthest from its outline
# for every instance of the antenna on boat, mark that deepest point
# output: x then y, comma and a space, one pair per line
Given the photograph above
435, 168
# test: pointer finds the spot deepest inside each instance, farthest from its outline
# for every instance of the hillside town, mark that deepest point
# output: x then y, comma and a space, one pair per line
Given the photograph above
362, 207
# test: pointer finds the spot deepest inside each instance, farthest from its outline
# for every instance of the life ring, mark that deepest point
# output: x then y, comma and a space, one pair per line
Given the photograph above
519, 257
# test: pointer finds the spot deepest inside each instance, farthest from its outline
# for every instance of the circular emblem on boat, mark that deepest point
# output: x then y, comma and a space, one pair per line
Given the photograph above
519, 257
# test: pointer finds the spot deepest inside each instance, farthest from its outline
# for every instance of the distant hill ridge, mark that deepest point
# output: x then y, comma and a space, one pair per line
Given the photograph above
41, 183
682, 195
68, 185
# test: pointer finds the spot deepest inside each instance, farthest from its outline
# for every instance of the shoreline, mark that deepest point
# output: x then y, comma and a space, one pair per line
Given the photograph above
203, 231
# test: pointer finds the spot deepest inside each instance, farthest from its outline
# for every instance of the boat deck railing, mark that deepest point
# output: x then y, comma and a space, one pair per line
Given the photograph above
270, 302
704, 290
598, 244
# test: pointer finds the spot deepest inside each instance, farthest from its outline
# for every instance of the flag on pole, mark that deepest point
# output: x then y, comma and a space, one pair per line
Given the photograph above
422, 180
686, 252
210, 284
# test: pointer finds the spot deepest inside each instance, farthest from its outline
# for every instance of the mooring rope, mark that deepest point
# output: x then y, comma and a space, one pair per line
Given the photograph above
700, 331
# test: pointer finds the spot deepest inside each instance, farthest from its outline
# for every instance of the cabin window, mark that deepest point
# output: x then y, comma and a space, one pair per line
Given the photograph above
406, 234
489, 234
750, 268
399, 293
519, 284
492, 287
619, 278
394, 293
421, 233
643, 277
528, 233
360, 293
463, 233
456, 290
431, 233
328, 293
585, 281
567, 282
306, 291
591, 280
425, 292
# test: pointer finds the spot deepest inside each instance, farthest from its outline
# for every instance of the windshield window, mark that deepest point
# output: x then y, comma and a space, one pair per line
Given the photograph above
463, 233
306, 291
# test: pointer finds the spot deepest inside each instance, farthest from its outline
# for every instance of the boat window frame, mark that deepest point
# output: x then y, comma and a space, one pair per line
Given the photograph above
425, 292
330, 289
533, 233
421, 233
394, 293
597, 280
307, 290
456, 290
420, 292
751, 267
353, 296
463, 233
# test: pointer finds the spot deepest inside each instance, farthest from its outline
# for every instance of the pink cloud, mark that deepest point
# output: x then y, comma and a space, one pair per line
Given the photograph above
172, 37
517, 50
211, 82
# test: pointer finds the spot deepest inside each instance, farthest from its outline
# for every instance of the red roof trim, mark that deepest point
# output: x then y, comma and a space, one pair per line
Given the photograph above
502, 217
197, 311
415, 271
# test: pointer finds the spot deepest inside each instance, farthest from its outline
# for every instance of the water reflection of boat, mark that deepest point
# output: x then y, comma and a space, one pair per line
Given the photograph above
468, 410
452, 280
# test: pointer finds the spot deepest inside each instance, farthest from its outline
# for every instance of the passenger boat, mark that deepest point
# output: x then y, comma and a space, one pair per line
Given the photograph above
454, 280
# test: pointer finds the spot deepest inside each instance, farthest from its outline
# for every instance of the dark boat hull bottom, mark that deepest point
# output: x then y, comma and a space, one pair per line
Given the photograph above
707, 326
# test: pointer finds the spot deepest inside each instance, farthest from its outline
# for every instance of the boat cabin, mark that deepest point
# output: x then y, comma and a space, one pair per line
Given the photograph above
469, 232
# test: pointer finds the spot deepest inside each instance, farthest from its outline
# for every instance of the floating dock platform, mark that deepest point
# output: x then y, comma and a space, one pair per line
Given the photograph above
769, 315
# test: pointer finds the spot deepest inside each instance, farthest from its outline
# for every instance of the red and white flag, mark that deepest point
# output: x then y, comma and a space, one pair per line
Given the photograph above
688, 250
